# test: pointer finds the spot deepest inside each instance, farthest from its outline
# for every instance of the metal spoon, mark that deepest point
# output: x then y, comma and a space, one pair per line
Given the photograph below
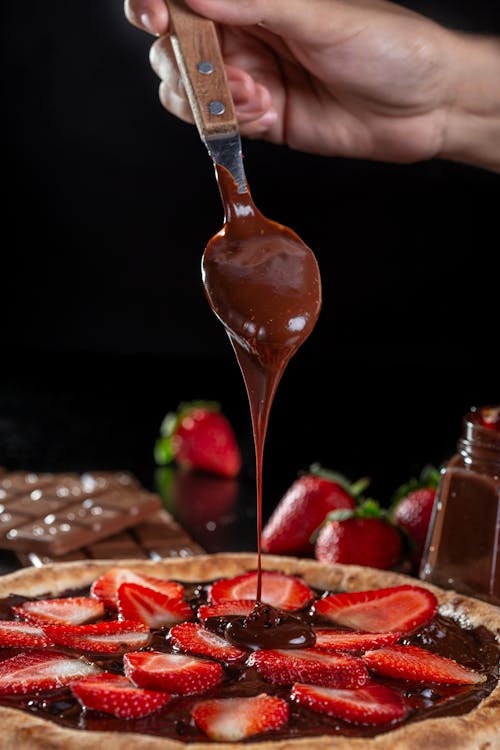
261, 280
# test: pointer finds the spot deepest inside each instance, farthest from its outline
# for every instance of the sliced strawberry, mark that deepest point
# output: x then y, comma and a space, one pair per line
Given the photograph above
224, 609
397, 608
417, 664
113, 637
41, 670
234, 719
278, 590
348, 640
371, 704
151, 607
105, 588
114, 694
14, 633
195, 639
73, 610
175, 673
285, 666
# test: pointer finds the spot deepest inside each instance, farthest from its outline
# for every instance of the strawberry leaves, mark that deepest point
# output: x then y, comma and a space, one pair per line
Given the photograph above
428, 477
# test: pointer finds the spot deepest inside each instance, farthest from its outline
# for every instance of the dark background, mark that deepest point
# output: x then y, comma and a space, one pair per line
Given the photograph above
108, 204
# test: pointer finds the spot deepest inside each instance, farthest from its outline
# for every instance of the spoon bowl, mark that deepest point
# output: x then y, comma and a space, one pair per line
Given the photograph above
261, 279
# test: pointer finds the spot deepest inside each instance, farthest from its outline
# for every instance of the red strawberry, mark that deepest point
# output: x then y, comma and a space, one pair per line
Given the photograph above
223, 609
14, 633
41, 670
359, 537
151, 607
234, 719
417, 664
114, 694
348, 640
73, 610
396, 608
411, 510
175, 673
285, 666
303, 508
489, 416
105, 588
113, 637
278, 589
195, 639
371, 704
200, 437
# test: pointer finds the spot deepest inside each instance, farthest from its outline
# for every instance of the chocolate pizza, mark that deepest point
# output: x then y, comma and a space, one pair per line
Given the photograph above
170, 655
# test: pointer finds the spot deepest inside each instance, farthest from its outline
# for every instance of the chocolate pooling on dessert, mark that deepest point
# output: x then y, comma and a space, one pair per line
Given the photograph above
475, 647
263, 284
268, 627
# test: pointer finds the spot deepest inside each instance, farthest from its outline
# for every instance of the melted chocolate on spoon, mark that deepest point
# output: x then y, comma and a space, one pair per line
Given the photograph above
263, 284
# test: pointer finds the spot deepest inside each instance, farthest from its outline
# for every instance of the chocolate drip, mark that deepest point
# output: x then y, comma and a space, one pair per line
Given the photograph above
263, 283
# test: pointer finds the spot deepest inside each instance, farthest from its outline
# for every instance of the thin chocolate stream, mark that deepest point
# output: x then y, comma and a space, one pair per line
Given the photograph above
263, 284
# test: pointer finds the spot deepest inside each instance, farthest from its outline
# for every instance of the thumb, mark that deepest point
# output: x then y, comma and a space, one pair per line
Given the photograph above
294, 19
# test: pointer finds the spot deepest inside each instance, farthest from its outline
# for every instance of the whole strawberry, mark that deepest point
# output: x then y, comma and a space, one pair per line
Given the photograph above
198, 436
304, 507
411, 510
362, 536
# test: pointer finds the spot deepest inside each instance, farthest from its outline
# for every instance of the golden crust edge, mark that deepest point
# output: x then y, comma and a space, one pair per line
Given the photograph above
477, 730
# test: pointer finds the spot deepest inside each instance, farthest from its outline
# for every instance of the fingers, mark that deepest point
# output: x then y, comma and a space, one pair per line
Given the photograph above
171, 90
152, 15
148, 15
252, 101
295, 19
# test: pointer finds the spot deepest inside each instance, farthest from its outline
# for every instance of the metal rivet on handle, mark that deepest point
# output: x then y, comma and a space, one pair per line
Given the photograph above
205, 67
216, 107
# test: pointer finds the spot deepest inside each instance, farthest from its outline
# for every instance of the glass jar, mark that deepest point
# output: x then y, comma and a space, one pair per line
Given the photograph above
462, 550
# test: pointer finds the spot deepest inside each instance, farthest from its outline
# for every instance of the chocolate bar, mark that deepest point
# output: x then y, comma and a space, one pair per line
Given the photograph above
55, 514
158, 536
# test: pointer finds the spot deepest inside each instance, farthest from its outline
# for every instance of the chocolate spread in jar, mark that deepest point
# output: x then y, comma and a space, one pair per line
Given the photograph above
463, 546
263, 283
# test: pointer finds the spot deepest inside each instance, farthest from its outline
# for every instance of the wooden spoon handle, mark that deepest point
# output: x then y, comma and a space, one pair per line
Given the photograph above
198, 54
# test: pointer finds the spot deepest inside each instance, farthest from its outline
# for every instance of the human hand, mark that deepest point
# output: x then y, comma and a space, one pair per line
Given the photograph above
363, 79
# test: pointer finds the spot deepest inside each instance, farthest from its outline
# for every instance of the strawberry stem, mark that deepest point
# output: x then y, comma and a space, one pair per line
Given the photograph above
429, 478
355, 489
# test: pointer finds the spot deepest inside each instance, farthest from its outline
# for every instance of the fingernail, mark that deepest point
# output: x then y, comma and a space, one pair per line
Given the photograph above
148, 22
